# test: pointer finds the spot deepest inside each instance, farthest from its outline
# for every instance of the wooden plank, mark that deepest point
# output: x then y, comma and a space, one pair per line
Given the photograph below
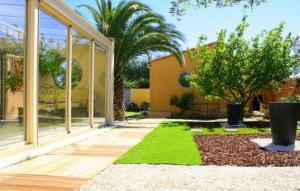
28, 182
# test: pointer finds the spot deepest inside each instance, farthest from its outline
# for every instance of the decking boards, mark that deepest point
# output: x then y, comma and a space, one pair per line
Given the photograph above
70, 167
28, 182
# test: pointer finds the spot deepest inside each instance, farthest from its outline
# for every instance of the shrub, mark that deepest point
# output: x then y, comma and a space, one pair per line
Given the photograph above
145, 105
291, 98
184, 103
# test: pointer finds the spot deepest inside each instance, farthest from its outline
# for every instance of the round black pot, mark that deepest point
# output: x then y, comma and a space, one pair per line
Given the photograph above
283, 120
233, 113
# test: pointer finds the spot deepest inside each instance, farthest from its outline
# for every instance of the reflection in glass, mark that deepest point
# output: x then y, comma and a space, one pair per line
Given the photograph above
12, 21
60, 76
80, 93
52, 55
99, 84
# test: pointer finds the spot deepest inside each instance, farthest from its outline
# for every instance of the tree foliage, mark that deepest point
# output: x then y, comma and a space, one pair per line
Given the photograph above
235, 69
137, 73
137, 31
50, 56
178, 7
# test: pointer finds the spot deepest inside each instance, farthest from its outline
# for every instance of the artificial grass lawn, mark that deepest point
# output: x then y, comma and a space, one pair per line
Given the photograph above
170, 143
131, 113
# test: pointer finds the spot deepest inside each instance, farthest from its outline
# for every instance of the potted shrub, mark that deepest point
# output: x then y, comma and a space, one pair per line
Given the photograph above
283, 119
234, 113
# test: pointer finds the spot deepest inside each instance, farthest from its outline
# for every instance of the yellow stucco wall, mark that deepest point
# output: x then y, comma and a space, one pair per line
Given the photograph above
164, 82
139, 96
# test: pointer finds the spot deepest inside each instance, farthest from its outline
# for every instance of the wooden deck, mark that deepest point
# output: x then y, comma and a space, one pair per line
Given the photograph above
69, 167
27, 182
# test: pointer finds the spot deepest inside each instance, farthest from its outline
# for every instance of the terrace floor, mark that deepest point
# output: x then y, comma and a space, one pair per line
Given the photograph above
70, 167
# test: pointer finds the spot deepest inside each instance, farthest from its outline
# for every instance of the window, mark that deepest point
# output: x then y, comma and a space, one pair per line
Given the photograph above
80, 93
60, 75
12, 21
52, 73
99, 84
183, 81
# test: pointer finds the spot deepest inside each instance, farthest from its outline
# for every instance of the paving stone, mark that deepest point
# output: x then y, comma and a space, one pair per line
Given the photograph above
231, 130
197, 130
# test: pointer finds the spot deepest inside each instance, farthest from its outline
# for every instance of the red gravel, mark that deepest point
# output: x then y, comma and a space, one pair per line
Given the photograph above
237, 150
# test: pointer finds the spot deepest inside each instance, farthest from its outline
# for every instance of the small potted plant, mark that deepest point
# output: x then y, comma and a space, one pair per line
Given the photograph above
283, 119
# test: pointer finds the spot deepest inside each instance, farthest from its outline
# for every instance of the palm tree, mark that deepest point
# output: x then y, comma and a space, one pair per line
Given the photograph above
137, 31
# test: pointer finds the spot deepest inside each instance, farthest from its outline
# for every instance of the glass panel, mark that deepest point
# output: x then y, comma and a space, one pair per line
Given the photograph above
80, 80
99, 84
52, 74
12, 21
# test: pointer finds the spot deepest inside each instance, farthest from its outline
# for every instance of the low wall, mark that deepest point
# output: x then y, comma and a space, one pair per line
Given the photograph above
138, 96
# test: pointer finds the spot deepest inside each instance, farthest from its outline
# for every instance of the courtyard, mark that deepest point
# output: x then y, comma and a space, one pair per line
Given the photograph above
113, 95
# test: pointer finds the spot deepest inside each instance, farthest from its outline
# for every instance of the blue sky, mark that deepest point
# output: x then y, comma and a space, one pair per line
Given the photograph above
209, 21
195, 23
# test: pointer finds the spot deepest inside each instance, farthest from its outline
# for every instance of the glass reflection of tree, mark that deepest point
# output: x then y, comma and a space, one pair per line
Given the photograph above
50, 56
54, 63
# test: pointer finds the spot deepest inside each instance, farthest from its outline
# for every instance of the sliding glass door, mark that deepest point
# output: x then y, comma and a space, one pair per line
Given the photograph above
52, 75
12, 27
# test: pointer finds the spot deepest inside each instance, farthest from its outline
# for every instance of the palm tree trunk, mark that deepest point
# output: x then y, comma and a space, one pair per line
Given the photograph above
119, 98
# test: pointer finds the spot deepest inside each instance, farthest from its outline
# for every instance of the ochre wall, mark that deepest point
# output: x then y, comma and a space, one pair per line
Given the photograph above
138, 96
286, 89
164, 82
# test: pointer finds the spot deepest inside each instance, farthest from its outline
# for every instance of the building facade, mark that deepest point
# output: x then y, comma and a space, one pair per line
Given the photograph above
167, 78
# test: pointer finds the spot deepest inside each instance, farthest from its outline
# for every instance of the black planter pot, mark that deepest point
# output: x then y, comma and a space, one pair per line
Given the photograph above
283, 120
234, 113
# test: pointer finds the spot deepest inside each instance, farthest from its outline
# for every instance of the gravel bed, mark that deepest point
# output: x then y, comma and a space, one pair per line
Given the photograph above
238, 150
190, 178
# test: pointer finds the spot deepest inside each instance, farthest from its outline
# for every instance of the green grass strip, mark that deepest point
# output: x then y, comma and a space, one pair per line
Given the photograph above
170, 143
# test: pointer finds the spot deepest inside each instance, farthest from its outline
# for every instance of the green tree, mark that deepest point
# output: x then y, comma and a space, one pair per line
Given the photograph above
50, 56
179, 7
235, 69
137, 31
137, 73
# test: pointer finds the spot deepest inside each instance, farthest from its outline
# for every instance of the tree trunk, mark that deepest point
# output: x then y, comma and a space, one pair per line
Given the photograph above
119, 98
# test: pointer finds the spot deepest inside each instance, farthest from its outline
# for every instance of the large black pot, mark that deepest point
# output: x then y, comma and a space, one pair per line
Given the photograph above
283, 120
233, 113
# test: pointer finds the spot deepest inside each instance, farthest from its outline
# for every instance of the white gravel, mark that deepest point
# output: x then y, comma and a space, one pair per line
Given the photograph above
188, 178
267, 144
